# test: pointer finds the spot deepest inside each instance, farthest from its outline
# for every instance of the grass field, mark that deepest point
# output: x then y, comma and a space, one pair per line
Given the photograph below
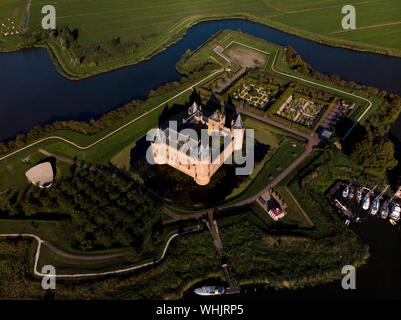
143, 28
12, 13
246, 56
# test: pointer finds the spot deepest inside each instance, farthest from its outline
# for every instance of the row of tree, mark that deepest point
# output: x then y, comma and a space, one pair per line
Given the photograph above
84, 127
296, 63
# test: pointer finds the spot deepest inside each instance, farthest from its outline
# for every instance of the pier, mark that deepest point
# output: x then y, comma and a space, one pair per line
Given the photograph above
344, 204
212, 226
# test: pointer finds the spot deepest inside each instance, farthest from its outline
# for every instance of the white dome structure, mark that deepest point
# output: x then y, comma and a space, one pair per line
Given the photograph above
41, 175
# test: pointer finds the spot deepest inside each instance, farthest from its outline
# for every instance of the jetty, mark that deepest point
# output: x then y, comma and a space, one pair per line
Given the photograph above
212, 226
343, 204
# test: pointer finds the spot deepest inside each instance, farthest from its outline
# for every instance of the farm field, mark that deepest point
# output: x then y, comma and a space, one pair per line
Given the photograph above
324, 19
113, 34
12, 13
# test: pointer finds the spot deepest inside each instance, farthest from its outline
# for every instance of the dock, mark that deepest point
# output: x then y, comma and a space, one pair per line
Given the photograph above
343, 205
212, 226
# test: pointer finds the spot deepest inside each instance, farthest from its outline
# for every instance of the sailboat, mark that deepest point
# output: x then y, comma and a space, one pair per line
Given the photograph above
346, 192
384, 210
395, 213
366, 199
376, 203
375, 206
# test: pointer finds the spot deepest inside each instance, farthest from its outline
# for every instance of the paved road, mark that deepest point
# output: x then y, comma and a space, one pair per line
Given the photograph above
82, 256
299, 207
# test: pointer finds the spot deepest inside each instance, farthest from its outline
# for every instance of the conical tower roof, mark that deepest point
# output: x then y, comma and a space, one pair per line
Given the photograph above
238, 124
193, 108
216, 115
159, 135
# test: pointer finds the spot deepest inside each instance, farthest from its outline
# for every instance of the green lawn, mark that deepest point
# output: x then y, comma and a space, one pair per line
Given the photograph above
278, 162
324, 19
12, 14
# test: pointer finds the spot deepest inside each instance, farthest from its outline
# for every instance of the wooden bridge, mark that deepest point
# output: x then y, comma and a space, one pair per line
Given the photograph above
212, 225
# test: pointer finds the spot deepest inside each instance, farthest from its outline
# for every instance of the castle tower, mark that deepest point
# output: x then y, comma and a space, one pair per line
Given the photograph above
193, 108
216, 121
237, 132
159, 147
202, 169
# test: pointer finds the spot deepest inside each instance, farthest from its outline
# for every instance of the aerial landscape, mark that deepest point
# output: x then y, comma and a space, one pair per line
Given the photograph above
173, 150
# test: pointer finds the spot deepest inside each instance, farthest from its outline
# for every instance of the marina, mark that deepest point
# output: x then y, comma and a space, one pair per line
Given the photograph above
352, 201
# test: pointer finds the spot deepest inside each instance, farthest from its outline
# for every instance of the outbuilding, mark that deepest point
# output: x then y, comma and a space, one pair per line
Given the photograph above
41, 175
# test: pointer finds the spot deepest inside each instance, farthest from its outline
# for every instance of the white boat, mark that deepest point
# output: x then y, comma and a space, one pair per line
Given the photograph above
385, 209
346, 192
375, 206
395, 213
209, 291
376, 203
366, 202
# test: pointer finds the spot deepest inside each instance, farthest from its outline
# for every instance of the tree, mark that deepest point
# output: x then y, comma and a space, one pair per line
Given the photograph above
3, 147
375, 153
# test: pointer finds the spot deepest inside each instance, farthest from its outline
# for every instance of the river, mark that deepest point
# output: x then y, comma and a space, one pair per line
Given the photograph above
32, 92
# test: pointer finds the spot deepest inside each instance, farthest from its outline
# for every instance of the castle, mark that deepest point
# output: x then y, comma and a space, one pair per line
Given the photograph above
196, 156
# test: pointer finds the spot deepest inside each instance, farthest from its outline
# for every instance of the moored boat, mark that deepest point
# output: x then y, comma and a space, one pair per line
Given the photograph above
209, 291
395, 213
384, 209
375, 206
346, 192
366, 202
